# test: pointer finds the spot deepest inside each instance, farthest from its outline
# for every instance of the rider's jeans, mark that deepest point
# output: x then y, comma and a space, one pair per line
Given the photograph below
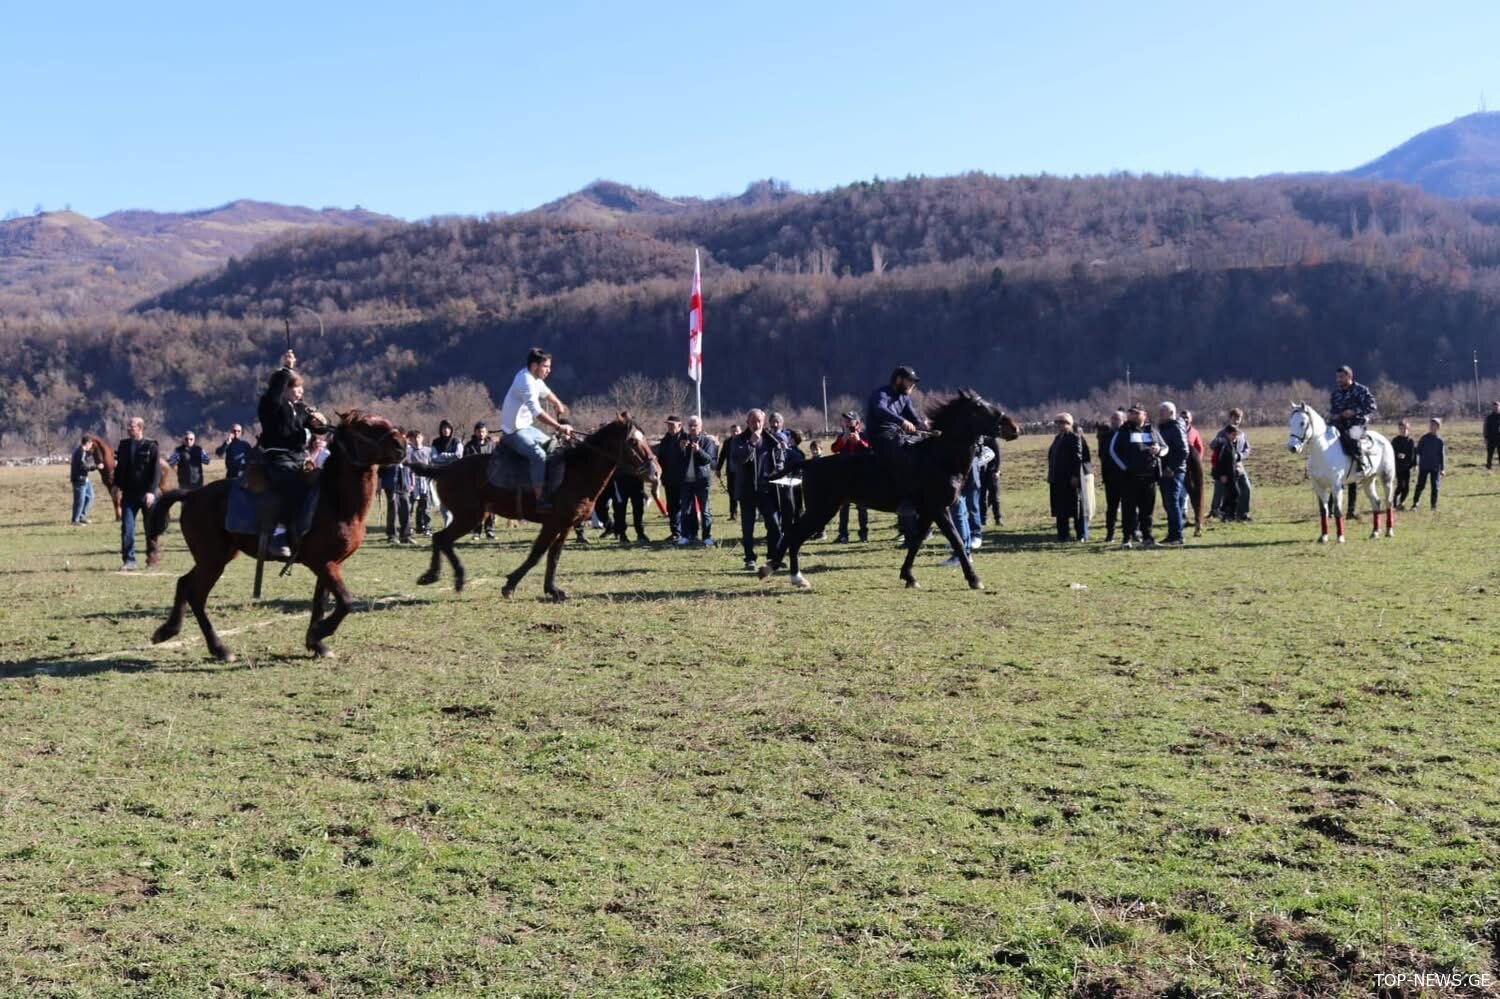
530, 443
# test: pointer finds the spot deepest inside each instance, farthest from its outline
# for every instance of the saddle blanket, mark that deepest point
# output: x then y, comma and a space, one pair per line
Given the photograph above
508, 470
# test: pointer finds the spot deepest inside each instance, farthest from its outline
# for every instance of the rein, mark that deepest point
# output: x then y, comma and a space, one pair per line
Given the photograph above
582, 440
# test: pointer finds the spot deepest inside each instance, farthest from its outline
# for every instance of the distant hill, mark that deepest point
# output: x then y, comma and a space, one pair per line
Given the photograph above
606, 203
1458, 160
58, 266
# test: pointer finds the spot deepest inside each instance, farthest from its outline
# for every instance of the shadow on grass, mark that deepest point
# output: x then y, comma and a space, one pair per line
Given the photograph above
73, 667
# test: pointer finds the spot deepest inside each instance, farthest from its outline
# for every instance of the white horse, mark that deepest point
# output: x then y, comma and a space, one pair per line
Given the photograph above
1328, 468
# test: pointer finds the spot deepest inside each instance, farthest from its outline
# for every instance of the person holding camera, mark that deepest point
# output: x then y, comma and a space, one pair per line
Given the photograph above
699, 452
188, 458
235, 451
1136, 452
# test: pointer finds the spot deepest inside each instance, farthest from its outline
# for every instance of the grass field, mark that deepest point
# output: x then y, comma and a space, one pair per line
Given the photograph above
1255, 766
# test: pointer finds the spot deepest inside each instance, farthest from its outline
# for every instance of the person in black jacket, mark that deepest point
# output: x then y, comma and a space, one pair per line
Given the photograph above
759, 456
137, 476
669, 456
479, 443
1114, 479
1172, 435
727, 472
1068, 461
235, 451
1432, 457
1135, 451
189, 458
1226, 472
286, 425
445, 446
82, 463
1406, 459
1491, 435
699, 452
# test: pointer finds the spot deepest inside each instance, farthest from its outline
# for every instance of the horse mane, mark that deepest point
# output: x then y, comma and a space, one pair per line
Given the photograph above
946, 414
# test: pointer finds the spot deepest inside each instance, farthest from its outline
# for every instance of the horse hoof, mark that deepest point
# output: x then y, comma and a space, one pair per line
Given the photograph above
1374, 535
223, 654
1390, 532
427, 579
458, 585
800, 581
162, 634
1323, 540
557, 596
505, 591
319, 650
911, 584
764, 572
976, 584
1341, 539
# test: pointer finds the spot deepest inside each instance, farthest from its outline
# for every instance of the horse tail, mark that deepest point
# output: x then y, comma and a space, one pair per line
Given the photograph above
156, 517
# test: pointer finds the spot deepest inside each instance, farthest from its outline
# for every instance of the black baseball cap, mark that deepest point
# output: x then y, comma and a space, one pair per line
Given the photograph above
904, 372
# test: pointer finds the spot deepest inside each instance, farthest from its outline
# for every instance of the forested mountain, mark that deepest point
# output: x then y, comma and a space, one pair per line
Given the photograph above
1458, 160
1028, 288
59, 266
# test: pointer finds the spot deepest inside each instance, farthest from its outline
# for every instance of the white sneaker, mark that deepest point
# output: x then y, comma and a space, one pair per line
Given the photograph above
683, 542
976, 543
708, 542
749, 565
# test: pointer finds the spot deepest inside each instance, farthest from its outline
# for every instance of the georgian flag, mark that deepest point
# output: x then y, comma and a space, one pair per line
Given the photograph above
695, 324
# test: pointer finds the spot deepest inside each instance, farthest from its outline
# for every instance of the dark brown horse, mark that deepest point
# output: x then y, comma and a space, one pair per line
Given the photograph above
338, 527
463, 487
104, 458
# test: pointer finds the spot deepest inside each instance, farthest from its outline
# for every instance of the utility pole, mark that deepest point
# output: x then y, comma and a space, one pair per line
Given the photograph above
825, 403
1478, 406
1129, 392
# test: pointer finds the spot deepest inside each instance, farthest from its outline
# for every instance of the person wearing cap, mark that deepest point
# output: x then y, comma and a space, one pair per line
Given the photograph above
1136, 453
890, 416
851, 440
1350, 405
1068, 467
669, 455
235, 451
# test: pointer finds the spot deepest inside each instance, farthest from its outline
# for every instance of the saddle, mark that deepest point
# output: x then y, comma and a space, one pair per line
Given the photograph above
256, 508
508, 469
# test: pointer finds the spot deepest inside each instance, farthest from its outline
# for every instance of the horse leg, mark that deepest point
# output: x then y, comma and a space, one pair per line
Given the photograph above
543, 542
1374, 498
205, 575
1322, 518
549, 584
442, 546
915, 536
1336, 500
330, 580
179, 603
950, 532
1389, 482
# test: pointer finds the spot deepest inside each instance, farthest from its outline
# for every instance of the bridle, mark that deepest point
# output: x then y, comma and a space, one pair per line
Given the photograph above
1307, 423
635, 466
363, 438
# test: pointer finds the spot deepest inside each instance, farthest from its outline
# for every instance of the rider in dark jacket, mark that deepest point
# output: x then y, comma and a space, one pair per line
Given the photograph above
1350, 407
890, 416
286, 425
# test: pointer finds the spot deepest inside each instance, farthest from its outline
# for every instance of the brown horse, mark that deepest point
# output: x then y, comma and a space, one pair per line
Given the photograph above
465, 490
348, 482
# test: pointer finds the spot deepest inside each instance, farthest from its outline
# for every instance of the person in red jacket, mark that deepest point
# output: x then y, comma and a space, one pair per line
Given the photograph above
852, 441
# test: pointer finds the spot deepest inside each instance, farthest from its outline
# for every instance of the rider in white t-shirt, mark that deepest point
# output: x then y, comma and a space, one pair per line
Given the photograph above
524, 418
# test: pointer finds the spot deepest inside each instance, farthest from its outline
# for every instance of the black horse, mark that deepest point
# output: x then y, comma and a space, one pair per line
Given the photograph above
931, 484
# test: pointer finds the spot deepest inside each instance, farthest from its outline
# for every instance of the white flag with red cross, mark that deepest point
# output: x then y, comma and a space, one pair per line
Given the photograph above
695, 324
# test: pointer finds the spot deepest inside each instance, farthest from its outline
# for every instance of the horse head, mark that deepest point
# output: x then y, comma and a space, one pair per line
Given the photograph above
635, 453
967, 416
1299, 428
369, 440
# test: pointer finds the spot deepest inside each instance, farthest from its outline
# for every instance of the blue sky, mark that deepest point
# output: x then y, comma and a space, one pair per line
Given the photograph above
418, 109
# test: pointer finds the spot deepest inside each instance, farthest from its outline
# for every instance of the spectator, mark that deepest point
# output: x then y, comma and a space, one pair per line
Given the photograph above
629, 490
1432, 456
188, 458
317, 451
1068, 469
1172, 436
699, 451
445, 446
670, 456
82, 463
1136, 454
1225, 471
422, 455
235, 451
396, 483
1196, 452
1406, 458
138, 477
966, 511
1491, 435
479, 443
758, 459
1194, 439
1242, 512
989, 483
728, 471
851, 440
1114, 479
